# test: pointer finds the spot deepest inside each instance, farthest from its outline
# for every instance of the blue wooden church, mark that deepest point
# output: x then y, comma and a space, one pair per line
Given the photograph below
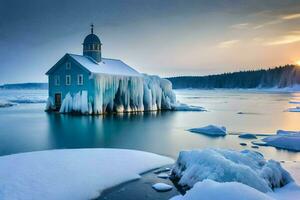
84, 75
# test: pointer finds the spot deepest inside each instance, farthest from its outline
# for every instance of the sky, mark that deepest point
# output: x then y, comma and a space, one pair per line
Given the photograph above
163, 37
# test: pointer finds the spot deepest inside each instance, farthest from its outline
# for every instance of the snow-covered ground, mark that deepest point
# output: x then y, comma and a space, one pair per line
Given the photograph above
211, 130
227, 174
71, 174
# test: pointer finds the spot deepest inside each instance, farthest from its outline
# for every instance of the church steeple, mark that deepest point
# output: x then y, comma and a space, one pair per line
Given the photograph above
92, 46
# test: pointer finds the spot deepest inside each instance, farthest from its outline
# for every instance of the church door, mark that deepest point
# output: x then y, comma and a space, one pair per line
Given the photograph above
57, 101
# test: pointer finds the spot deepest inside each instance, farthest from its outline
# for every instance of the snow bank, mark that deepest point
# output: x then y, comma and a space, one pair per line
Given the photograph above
247, 167
184, 107
247, 136
210, 130
209, 189
296, 109
289, 140
122, 94
71, 174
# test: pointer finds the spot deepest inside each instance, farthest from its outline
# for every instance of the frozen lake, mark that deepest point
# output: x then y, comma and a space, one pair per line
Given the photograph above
26, 127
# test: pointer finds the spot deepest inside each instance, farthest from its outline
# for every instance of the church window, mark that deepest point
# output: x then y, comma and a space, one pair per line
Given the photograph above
80, 79
68, 65
68, 79
56, 80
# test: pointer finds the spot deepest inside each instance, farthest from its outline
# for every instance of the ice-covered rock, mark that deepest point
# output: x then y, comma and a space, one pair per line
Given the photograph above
212, 190
221, 165
210, 130
162, 187
289, 140
247, 136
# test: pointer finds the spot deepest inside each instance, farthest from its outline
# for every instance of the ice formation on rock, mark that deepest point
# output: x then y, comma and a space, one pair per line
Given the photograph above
121, 94
221, 165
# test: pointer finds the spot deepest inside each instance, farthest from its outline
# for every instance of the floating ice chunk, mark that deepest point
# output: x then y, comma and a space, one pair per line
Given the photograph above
162, 187
209, 189
184, 107
247, 136
283, 132
289, 140
221, 165
163, 175
210, 130
297, 109
161, 170
72, 174
294, 102
4, 104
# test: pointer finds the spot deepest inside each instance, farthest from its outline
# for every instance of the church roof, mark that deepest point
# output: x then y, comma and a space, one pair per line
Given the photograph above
106, 66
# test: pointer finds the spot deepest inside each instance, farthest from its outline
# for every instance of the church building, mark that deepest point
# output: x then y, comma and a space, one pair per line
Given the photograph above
92, 84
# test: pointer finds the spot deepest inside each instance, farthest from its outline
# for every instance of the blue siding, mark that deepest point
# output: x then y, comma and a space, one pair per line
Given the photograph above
62, 71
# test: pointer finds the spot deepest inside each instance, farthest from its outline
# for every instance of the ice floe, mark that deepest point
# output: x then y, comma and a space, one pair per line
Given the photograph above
247, 136
72, 174
4, 104
289, 140
296, 109
163, 175
162, 187
222, 165
211, 130
185, 107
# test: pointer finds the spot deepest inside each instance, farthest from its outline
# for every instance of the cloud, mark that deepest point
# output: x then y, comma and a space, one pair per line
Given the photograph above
228, 43
291, 37
240, 26
291, 16
267, 24
280, 19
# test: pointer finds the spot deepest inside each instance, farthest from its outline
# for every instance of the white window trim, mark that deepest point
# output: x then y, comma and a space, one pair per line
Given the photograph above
67, 80
78, 78
56, 80
68, 65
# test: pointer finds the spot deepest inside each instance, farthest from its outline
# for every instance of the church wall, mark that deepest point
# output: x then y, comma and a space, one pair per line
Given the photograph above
62, 71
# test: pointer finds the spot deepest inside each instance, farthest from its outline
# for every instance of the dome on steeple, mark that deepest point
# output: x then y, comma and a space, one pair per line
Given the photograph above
92, 46
91, 39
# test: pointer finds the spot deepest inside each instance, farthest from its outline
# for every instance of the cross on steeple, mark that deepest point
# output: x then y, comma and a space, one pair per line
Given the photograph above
92, 28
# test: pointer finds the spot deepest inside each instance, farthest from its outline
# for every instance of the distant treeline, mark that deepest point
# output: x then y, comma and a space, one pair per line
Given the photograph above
31, 86
283, 76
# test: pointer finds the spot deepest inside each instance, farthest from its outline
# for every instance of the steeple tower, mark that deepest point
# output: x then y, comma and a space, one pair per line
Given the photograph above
92, 46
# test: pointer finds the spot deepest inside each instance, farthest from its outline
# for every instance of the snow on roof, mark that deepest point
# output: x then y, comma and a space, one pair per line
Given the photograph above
106, 66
